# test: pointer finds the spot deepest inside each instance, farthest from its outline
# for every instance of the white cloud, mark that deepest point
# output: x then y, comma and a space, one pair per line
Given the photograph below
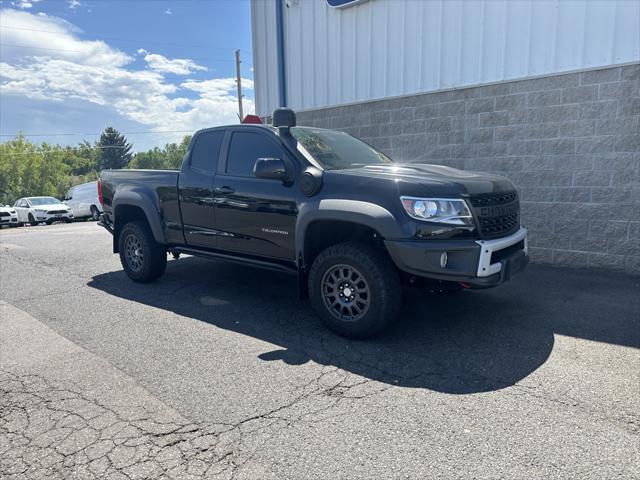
97, 73
168, 11
178, 66
73, 4
51, 36
24, 4
216, 87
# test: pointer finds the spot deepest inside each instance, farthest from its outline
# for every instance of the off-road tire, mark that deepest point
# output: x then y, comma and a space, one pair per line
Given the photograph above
381, 279
152, 261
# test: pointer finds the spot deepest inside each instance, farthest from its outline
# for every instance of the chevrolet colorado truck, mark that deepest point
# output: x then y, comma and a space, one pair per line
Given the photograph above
351, 224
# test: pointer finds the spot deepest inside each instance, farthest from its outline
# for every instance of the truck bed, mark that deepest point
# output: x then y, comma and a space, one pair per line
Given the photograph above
156, 189
152, 177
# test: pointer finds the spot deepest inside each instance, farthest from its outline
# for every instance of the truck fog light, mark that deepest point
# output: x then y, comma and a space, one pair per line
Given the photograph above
443, 259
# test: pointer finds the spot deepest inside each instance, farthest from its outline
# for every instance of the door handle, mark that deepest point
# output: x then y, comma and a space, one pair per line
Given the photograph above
223, 190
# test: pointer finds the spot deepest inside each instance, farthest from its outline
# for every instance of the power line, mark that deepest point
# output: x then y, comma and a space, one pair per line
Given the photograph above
11, 27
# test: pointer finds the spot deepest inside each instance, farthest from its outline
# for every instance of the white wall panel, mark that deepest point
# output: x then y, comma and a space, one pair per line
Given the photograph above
265, 68
382, 48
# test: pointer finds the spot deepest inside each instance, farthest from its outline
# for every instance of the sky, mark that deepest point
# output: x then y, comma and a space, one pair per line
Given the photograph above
153, 69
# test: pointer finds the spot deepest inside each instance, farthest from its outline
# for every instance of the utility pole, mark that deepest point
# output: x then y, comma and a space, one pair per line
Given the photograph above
239, 85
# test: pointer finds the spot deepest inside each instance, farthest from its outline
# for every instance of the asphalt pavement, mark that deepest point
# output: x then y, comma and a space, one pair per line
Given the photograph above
219, 371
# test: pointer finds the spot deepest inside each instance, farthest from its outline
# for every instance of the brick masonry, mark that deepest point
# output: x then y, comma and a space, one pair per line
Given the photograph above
570, 143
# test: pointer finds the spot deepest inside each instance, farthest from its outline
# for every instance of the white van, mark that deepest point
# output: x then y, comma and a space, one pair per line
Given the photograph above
83, 200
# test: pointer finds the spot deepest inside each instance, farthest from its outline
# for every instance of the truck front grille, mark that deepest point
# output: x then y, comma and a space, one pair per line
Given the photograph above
488, 199
497, 214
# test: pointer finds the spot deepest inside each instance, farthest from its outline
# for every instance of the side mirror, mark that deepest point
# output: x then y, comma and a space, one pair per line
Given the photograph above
270, 168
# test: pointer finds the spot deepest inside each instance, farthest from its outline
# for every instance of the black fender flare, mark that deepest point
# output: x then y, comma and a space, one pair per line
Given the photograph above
366, 214
147, 201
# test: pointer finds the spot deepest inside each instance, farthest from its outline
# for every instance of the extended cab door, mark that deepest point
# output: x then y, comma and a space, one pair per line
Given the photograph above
195, 186
255, 216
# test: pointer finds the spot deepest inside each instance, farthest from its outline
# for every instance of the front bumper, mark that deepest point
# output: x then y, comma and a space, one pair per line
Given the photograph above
52, 217
12, 220
478, 263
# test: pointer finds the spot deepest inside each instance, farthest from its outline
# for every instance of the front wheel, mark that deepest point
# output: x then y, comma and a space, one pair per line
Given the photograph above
95, 214
355, 289
32, 220
143, 259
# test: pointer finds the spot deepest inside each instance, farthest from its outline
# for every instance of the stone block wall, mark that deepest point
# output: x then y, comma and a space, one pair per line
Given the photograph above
570, 143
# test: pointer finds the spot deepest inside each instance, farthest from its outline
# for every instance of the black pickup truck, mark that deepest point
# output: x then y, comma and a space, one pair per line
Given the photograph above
351, 224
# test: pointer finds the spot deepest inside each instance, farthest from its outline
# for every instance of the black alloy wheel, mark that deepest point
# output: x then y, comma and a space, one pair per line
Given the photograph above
142, 258
133, 253
346, 293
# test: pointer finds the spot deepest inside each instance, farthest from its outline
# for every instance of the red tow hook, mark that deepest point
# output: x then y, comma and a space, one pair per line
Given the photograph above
465, 285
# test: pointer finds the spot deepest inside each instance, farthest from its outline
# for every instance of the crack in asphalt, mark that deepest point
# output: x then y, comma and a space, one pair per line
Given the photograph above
52, 430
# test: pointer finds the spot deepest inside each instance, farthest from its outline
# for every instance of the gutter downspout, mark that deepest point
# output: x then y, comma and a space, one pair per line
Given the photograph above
282, 81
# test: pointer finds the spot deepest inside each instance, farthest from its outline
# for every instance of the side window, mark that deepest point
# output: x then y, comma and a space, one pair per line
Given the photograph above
246, 148
206, 150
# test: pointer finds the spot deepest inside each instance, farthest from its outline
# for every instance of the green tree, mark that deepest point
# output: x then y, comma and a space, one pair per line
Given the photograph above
168, 157
115, 152
28, 169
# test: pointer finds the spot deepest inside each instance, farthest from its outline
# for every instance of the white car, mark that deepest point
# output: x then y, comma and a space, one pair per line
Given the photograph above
8, 216
34, 210
83, 200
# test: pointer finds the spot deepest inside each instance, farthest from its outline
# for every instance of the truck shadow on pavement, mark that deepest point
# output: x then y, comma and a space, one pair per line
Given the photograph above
467, 342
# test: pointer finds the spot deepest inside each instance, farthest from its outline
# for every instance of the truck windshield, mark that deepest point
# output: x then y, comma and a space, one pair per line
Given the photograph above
337, 150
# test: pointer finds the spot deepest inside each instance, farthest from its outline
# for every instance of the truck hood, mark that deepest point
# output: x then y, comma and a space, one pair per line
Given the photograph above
419, 179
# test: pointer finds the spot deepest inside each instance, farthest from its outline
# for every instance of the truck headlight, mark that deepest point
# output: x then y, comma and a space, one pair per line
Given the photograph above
451, 211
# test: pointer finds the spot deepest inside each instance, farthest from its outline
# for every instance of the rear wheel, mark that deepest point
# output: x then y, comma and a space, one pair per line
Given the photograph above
143, 259
355, 289
95, 214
